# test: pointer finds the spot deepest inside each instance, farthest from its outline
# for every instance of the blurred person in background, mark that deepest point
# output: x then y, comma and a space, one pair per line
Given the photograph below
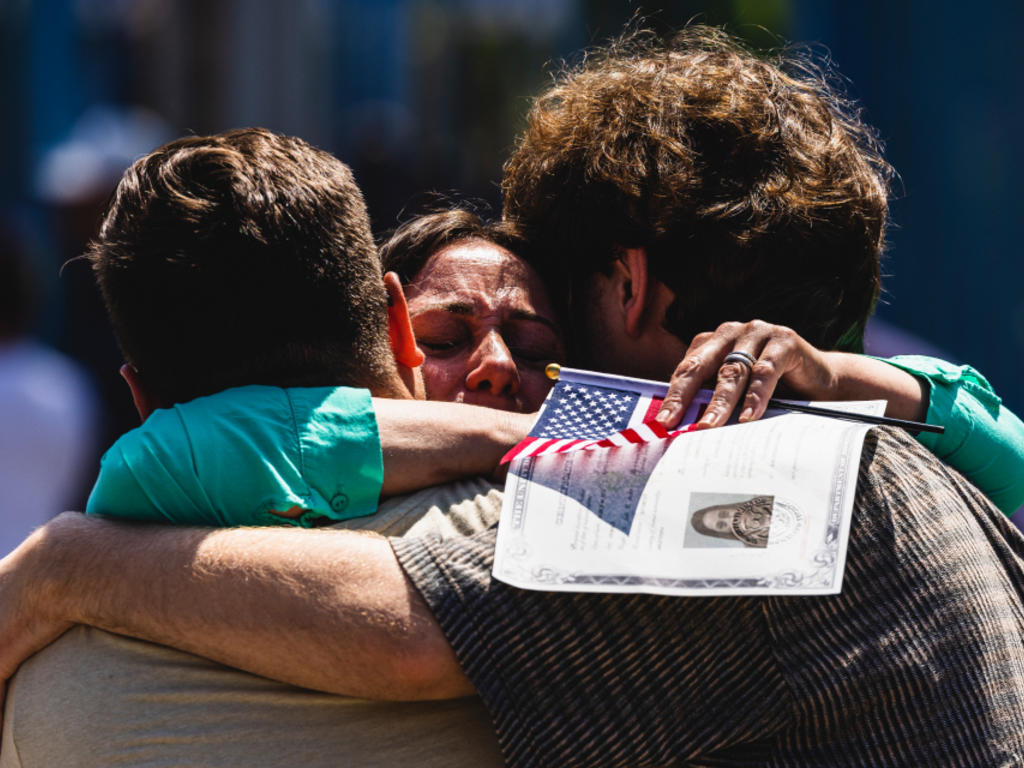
48, 413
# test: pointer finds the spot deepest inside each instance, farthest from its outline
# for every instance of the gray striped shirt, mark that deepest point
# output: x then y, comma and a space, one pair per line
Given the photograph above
919, 662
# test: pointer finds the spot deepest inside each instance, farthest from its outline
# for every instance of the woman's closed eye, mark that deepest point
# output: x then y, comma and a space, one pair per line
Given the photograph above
533, 342
536, 353
439, 346
439, 333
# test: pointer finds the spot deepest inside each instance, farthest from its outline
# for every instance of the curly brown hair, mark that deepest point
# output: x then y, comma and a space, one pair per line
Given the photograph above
753, 184
244, 257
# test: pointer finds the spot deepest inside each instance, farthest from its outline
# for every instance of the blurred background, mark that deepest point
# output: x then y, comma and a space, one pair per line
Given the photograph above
423, 98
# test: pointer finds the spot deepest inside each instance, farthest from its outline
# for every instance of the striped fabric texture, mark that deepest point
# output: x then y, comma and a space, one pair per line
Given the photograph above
918, 662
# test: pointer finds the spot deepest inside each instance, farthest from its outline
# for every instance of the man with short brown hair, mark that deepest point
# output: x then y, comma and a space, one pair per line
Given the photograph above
242, 258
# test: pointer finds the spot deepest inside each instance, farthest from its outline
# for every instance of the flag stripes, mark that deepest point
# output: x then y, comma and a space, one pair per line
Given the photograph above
579, 416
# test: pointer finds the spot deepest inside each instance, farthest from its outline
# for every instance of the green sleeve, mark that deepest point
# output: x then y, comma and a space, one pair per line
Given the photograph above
146, 476
248, 456
118, 493
983, 440
341, 453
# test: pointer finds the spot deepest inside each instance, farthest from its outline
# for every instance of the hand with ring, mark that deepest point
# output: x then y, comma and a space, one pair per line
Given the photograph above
747, 362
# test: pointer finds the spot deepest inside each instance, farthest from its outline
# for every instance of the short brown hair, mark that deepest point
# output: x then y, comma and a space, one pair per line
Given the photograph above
242, 258
753, 185
408, 249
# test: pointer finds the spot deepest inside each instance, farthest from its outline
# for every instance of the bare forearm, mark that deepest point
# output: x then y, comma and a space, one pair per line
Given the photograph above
425, 443
777, 356
330, 610
864, 378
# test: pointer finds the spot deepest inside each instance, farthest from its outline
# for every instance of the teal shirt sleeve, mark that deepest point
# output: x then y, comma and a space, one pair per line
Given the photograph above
247, 456
983, 440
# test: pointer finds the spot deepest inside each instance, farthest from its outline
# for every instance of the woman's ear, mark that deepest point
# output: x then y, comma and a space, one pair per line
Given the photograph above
403, 342
145, 402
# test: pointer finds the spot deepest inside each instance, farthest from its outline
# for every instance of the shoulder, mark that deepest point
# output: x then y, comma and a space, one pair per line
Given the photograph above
899, 474
912, 504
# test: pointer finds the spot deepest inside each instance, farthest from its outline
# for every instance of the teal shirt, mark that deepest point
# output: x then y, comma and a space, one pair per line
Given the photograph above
242, 456
983, 440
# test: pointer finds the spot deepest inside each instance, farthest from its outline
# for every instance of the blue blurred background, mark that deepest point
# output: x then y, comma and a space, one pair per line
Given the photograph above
423, 96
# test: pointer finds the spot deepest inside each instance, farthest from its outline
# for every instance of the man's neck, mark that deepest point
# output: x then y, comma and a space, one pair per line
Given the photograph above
404, 384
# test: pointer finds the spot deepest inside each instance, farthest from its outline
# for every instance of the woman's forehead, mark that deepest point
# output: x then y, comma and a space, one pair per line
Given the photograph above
479, 272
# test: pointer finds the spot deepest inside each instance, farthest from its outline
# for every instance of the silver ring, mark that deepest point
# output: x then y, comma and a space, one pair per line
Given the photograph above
736, 356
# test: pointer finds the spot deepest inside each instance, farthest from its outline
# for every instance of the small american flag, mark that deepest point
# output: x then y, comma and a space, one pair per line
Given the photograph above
596, 410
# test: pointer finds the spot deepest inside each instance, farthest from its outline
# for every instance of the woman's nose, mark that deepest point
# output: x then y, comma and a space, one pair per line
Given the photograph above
492, 367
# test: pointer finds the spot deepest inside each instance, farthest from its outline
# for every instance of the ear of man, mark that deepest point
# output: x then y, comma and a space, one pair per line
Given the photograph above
635, 303
630, 278
145, 401
408, 356
403, 342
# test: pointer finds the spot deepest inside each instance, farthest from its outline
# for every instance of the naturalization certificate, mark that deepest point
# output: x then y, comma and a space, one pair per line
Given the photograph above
761, 508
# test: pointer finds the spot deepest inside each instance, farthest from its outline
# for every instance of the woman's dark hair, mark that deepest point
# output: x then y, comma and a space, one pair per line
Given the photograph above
409, 247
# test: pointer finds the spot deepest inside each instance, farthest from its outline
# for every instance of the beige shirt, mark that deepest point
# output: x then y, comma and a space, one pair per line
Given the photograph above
97, 699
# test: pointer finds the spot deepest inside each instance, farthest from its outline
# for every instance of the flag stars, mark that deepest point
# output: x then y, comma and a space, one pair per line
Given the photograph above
578, 411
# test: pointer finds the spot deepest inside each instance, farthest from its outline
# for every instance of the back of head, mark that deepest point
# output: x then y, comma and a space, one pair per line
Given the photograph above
242, 258
752, 184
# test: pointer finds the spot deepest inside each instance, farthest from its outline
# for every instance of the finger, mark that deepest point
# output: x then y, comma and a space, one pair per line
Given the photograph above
764, 378
699, 365
683, 385
732, 383
781, 355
